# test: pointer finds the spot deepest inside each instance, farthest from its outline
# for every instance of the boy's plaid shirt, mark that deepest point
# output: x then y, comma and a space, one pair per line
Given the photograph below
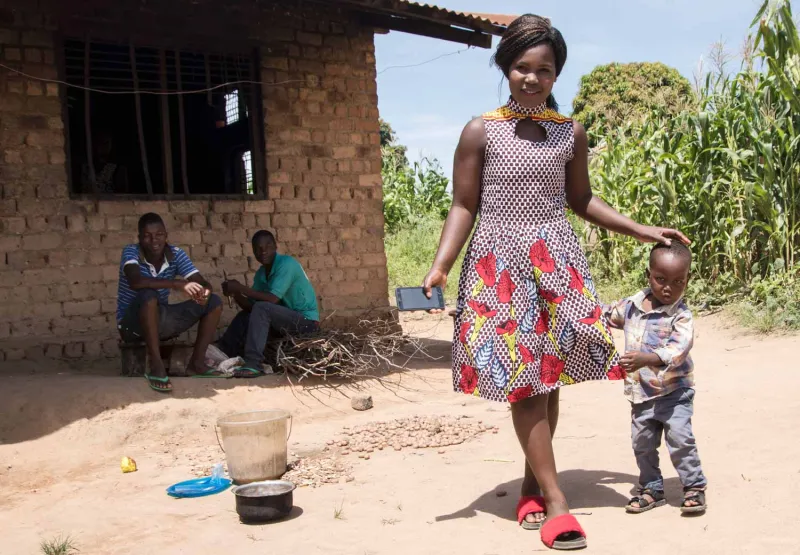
667, 331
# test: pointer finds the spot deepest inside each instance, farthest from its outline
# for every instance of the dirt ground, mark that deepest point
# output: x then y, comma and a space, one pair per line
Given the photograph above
63, 432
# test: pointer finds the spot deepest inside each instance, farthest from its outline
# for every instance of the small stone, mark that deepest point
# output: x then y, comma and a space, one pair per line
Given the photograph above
501, 493
442, 451
362, 402
366, 457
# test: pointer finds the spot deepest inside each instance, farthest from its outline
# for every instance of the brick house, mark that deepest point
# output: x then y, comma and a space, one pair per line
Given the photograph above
271, 122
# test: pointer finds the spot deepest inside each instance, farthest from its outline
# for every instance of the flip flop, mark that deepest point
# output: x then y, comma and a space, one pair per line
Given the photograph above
247, 372
214, 373
528, 505
153, 380
559, 526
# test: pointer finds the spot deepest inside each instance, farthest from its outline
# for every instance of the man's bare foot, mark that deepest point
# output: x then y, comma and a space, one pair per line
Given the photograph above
157, 369
157, 378
196, 367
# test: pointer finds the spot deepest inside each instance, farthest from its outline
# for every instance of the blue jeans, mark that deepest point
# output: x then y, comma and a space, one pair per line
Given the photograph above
247, 335
672, 415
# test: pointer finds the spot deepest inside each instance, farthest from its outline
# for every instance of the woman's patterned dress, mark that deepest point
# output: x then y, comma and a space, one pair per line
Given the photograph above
528, 319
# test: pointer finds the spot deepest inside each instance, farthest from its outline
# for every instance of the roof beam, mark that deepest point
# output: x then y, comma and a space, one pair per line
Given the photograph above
427, 29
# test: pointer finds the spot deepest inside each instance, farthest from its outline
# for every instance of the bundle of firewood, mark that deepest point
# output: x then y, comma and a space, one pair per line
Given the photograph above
373, 346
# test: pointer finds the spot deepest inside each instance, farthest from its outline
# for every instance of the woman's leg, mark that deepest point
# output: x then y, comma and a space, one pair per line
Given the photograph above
529, 484
533, 429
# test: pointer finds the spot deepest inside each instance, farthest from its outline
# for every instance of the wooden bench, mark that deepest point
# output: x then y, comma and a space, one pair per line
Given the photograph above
174, 354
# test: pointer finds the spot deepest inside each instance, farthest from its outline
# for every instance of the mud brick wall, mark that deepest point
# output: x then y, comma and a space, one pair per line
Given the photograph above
59, 255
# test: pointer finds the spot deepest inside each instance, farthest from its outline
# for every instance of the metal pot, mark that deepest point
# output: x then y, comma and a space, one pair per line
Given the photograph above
264, 501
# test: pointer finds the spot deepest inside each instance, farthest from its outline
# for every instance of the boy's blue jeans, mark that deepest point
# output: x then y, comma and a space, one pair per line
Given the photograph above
672, 415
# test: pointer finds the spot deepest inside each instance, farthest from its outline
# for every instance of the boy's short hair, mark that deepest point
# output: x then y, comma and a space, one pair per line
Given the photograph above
148, 219
675, 248
263, 234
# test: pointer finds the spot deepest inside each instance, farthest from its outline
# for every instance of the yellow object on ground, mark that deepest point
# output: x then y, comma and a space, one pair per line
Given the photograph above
128, 465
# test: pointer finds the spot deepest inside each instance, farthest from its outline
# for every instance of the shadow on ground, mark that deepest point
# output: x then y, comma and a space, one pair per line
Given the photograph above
585, 489
41, 397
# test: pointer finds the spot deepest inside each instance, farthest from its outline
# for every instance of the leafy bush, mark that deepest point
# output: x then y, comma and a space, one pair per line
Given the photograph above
614, 94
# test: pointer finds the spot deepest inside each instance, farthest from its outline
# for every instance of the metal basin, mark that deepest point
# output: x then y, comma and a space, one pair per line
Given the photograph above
264, 501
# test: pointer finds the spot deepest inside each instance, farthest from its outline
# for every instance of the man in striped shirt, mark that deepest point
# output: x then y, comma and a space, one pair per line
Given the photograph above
148, 272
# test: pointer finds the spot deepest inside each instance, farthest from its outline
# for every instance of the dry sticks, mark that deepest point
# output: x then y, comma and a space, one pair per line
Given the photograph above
373, 345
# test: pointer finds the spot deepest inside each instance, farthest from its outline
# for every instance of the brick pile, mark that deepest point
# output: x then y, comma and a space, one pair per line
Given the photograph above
59, 255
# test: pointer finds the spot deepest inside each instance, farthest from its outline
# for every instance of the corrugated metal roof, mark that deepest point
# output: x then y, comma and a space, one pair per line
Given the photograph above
491, 24
495, 18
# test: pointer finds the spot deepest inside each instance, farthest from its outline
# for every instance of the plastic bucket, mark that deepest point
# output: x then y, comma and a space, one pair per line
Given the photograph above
255, 444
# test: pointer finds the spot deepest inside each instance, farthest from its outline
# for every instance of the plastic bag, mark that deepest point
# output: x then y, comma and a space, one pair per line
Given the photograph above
214, 356
227, 366
200, 487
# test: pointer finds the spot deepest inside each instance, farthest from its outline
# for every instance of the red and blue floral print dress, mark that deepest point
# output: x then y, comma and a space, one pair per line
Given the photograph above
528, 319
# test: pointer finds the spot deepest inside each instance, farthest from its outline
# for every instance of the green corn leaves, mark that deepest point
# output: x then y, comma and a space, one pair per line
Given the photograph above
726, 170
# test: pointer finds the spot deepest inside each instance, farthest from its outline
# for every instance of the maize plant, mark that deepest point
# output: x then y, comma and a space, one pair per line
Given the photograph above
726, 171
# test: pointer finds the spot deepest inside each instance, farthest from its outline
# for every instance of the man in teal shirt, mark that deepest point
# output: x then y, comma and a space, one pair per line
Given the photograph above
281, 301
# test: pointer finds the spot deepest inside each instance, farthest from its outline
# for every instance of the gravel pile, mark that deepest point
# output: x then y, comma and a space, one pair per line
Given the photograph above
418, 432
314, 472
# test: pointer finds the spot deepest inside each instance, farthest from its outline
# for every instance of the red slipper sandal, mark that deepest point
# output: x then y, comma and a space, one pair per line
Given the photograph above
529, 505
559, 526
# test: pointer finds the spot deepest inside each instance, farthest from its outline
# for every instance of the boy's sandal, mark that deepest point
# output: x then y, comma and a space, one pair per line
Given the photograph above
699, 497
563, 533
162, 385
654, 499
529, 505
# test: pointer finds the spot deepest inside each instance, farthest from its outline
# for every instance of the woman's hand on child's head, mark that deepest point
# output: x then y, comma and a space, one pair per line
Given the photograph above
665, 235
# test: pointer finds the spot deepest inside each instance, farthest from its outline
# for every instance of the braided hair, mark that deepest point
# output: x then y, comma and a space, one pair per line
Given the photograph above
524, 33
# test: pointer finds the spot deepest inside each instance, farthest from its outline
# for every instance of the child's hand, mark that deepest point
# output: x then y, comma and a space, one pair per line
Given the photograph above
634, 360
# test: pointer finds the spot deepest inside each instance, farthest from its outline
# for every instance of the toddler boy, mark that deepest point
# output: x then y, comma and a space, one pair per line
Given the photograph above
659, 334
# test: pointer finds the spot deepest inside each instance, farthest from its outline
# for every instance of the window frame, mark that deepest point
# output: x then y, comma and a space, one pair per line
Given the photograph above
224, 46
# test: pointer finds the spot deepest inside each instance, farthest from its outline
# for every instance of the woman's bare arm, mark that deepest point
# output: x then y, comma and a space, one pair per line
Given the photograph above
467, 170
594, 210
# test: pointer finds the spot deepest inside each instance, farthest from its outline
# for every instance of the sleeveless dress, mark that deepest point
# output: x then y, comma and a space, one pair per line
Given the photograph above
528, 320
